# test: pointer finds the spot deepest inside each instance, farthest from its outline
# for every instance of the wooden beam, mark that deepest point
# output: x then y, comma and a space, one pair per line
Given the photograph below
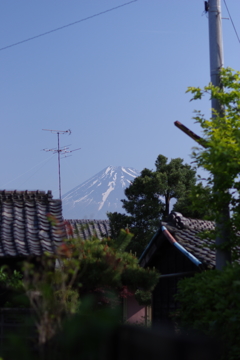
190, 133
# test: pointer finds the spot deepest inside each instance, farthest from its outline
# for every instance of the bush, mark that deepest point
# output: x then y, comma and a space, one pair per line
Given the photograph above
210, 302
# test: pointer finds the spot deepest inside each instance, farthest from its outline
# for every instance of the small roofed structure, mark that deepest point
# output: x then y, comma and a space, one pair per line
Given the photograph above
30, 223
176, 251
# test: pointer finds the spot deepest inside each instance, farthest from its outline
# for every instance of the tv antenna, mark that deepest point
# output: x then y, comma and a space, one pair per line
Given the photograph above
60, 151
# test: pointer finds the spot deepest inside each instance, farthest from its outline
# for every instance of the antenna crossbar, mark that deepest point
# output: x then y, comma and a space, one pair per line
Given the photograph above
60, 151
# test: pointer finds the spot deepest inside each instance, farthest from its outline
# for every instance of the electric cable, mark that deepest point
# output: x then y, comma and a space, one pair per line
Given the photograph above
232, 21
36, 171
65, 26
45, 161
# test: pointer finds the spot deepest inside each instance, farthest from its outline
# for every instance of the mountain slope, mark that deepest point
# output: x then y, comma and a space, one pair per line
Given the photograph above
101, 193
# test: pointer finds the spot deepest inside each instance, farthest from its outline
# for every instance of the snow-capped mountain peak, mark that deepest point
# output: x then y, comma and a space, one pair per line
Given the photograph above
100, 194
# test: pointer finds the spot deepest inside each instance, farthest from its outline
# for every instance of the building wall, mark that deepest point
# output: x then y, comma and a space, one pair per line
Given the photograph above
133, 313
168, 261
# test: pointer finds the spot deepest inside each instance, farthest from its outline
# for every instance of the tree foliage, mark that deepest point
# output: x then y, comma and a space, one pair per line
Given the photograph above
191, 205
11, 288
101, 268
210, 301
148, 200
221, 157
175, 180
104, 265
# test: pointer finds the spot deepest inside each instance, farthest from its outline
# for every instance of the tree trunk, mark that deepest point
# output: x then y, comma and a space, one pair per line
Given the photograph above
167, 204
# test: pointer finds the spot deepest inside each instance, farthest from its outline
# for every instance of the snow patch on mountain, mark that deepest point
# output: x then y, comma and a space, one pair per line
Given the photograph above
124, 170
105, 195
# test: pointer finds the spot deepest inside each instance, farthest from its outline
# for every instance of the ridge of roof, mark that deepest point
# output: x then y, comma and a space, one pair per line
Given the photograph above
180, 222
25, 195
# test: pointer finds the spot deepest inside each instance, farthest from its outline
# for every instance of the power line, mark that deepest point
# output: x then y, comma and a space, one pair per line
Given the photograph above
232, 21
36, 171
45, 161
65, 26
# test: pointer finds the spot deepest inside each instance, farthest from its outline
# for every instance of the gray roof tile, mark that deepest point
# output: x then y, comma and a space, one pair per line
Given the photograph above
187, 232
24, 226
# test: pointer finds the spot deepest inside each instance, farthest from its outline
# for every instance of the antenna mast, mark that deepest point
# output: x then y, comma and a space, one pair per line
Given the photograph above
65, 150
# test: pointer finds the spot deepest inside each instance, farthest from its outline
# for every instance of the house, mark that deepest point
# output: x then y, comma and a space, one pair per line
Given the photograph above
176, 251
30, 224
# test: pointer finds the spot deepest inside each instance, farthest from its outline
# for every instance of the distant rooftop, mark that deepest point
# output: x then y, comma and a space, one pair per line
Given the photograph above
86, 229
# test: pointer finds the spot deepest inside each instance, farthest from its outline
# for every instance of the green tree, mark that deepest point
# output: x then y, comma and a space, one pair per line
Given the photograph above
83, 278
175, 180
106, 266
100, 268
149, 196
191, 204
210, 301
221, 157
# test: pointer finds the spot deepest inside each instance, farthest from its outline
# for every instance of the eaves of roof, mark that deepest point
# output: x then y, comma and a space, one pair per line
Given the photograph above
186, 232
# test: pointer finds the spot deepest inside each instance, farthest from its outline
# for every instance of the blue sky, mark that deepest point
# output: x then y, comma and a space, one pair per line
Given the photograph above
118, 81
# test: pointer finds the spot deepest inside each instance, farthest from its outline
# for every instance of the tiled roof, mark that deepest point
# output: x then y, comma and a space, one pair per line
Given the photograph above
25, 228
86, 229
186, 232
181, 222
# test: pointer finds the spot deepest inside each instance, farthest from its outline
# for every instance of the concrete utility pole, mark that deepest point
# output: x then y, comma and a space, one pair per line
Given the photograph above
215, 45
213, 7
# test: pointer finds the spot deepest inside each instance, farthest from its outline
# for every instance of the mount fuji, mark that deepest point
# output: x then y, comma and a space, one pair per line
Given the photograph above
100, 194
